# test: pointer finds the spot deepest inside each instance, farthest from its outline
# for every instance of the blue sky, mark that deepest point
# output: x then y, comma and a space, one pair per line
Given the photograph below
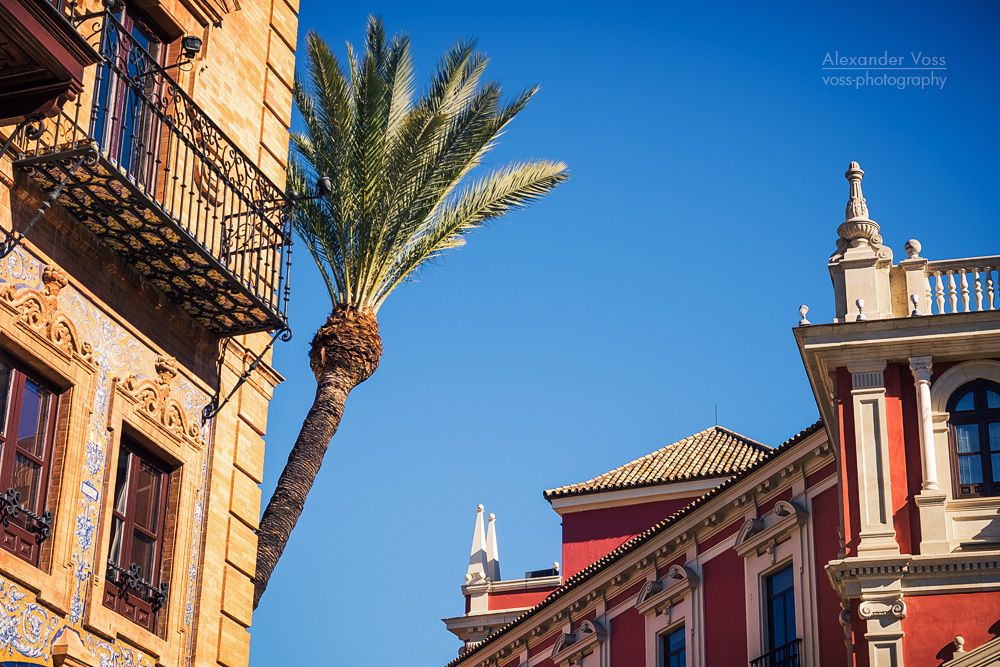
707, 158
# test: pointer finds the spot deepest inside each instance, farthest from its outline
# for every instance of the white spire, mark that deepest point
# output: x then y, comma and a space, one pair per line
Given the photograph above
492, 553
477, 557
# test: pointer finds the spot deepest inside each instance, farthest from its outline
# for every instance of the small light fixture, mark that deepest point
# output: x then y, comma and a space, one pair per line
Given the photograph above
323, 186
191, 46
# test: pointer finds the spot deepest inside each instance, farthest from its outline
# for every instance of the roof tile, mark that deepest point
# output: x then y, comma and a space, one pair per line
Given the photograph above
714, 452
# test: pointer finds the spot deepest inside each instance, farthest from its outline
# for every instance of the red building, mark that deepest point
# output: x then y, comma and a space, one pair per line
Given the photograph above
871, 538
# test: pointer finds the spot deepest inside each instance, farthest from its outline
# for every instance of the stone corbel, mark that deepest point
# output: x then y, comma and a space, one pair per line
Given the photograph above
657, 595
757, 535
38, 313
574, 646
156, 403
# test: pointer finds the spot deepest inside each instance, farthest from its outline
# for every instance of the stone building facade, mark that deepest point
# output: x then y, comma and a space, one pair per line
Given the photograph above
144, 270
869, 539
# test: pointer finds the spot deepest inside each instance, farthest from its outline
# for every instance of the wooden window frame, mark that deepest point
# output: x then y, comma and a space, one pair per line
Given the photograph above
981, 416
25, 540
665, 653
137, 602
769, 598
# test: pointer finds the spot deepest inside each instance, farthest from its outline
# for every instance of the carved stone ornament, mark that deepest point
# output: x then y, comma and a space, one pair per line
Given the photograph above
39, 312
573, 646
656, 596
875, 608
157, 404
858, 229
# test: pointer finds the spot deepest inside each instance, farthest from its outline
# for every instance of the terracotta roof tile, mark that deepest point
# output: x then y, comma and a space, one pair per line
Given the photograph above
714, 452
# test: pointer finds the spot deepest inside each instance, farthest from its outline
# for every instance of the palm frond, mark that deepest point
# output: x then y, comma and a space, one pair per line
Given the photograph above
399, 166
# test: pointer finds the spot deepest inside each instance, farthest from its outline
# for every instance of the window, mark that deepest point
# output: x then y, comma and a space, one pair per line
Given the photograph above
133, 587
672, 648
27, 429
975, 431
126, 125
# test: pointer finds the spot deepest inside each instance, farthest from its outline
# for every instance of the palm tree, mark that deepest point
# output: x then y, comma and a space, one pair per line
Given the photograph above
399, 198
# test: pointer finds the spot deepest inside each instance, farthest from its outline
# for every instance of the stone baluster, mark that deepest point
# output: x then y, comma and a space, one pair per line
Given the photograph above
994, 301
939, 292
929, 302
964, 284
979, 289
952, 293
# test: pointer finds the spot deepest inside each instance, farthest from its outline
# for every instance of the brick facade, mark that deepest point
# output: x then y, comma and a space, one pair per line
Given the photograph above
100, 341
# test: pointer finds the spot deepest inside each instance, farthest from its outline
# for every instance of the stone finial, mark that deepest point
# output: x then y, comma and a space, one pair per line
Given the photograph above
477, 555
858, 229
860, 303
912, 249
555, 566
803, 322
492, 551
857, 207
915, 300
959, 643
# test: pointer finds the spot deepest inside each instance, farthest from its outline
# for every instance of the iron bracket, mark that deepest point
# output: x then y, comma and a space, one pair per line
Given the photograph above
10, 506
213, 407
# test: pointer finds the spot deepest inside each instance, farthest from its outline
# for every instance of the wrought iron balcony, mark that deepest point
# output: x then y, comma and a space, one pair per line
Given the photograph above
155, 178
786, 655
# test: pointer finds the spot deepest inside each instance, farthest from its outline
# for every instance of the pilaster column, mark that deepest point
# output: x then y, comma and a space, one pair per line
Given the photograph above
878, 537
921, 368
930, 501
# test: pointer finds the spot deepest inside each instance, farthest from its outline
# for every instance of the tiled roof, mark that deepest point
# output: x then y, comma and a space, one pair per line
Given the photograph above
714, 452
594, 568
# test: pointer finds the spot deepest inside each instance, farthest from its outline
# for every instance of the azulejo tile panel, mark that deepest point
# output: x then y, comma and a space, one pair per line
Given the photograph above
27, 627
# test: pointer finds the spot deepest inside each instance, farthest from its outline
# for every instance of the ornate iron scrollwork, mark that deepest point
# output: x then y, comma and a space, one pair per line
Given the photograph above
11, 507
131, 578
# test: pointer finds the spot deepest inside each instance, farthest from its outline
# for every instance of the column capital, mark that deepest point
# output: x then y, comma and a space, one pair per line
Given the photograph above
921, 367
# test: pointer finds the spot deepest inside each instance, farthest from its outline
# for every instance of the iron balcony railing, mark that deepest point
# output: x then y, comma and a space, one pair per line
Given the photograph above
786, 655
156, 179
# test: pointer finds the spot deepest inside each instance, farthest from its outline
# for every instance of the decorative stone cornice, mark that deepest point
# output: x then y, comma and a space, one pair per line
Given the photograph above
38, 312
573, 646
757, 535
157, 404
657, 595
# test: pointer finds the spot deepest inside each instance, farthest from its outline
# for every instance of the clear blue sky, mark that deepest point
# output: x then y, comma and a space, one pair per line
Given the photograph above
707, 160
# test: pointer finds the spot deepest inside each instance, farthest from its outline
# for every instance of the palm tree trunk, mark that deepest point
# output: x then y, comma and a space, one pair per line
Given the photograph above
345, 352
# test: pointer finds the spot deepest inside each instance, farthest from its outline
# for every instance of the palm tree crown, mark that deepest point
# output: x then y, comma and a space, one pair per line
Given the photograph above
398, 166
400, 196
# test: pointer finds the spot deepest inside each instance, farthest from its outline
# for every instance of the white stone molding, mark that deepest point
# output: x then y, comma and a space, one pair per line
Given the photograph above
763, 535
659, 594
869, 609
683, 610
987, 655
957, 375
791, 553
966, 521
872, 444
930, 501
921, 367
574, 646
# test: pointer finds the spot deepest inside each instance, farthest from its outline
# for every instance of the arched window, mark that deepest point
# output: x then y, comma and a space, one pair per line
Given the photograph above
975, 438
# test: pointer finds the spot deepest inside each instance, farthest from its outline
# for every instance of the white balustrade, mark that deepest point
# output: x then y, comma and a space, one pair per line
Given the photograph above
963, 285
